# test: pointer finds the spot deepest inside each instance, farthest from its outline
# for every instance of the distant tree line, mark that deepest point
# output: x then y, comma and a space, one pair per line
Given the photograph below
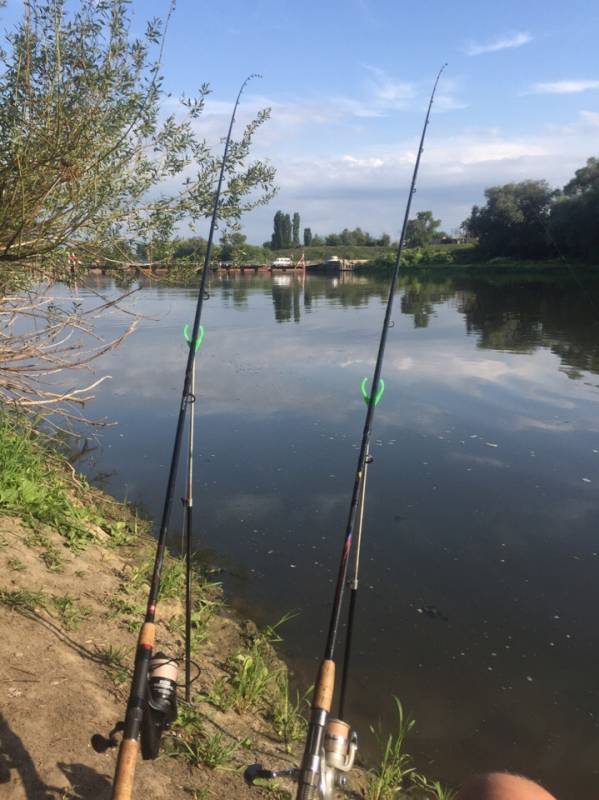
422, 231
531, 220
356, 237
286, 234
233, 246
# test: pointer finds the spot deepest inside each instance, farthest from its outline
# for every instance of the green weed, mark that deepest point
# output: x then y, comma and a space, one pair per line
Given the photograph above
396, 766
71, 613
273, 788
52, 559
288, 722
251, 678
252, 683
32, 487
23, 600
172, 581
120, 532
113, 659
203, 612
270, 634
196, 746
120, 607
219, 694
433, 789
15, 565
36, 484
199, 794
216, 752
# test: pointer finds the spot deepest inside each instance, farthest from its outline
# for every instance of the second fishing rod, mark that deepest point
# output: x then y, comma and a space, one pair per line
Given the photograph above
312, 767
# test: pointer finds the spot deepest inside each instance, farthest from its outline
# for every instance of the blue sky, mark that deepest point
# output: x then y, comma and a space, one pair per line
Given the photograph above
348, 83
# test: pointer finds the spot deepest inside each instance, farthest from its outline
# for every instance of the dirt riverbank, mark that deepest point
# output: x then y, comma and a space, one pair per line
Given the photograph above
69, 626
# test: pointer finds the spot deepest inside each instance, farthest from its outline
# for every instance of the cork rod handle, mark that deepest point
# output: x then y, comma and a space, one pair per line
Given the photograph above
325, 686
125, 770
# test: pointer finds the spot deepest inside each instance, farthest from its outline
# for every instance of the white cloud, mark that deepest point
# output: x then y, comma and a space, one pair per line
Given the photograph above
591, 118
365, 184
563, 87
363, 163
503, 43
387, 91
333, 167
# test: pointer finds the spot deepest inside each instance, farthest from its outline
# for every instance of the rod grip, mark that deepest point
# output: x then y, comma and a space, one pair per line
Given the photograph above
122, 788
325, 686
147, 635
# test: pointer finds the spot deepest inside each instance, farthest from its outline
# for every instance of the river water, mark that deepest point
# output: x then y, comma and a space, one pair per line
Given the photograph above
480, 583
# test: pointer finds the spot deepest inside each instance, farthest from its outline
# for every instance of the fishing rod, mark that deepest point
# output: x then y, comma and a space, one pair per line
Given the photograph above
328, 738
187, 514
354, 583
163, 672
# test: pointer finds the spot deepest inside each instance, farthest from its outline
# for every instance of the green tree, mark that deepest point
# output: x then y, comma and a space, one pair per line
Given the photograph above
87, 156
286, 231
296, 229
307, 237
574, 221
514, 221
585, 179
421, 231
278, 237
193, 248
232, 246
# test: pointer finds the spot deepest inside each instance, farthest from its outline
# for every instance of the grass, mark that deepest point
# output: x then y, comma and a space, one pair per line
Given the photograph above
251, 679
396, 771
23, 600
270, 634
172, 587
287, 718
128, 613
200, 617
52, 559
71, 613
255, 682
32, 487
113, 661
197, 747
273, 788
433, 789
172, 580
219, 694
15, 565
391, 775
36, 484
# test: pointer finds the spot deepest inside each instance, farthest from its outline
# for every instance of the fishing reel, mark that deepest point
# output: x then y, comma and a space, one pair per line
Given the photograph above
160, 709
338, 753
161, 704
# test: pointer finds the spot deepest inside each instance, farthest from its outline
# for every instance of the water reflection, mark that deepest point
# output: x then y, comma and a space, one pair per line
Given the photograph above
482, 499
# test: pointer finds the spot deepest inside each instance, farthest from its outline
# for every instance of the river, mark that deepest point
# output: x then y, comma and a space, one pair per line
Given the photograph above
480, 583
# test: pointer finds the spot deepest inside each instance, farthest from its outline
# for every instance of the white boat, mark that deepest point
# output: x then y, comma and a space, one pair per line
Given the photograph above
281, 262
